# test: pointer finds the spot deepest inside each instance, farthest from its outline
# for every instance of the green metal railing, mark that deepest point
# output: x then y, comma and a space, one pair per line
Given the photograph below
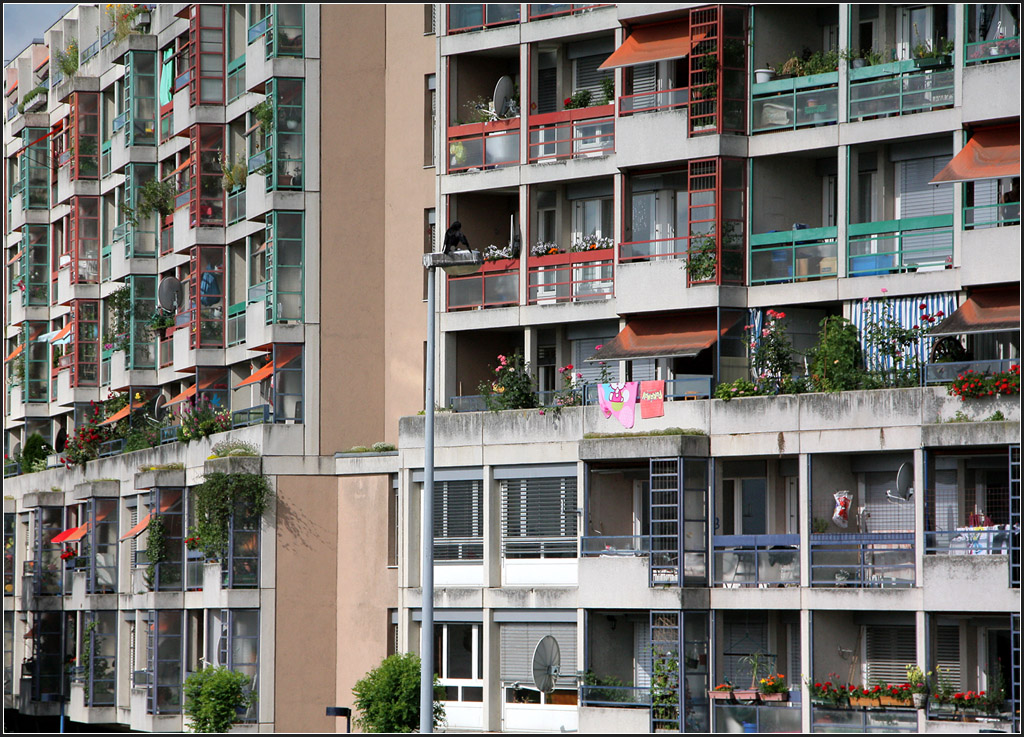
788, 104
998, 49
894, 246
991, 216
236, 206
899, 88
794, 255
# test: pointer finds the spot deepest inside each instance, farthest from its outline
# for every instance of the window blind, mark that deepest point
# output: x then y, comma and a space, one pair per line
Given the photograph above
518, 642
458, 520
947, 655
887, 651
587, 76
538, 518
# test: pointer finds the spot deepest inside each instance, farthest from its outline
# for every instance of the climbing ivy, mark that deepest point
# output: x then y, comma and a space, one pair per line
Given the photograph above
216, 499
156, 547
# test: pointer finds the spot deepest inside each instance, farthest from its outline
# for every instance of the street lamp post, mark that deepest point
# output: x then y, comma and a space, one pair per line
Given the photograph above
456, 263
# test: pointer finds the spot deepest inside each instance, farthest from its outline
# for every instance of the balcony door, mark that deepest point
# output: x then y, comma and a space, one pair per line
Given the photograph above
745, 506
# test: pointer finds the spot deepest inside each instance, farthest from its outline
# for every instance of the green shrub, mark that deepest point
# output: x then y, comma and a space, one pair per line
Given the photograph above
836, 360
226, 448
213, 697
738, 388
512, 386
33, 455
388, 697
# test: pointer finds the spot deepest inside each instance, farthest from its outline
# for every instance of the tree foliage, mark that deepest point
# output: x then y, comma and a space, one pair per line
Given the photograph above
388, 697
213, 697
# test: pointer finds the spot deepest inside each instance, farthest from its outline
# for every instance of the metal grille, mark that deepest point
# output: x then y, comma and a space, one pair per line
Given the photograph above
1015, 662
1015, 522
538, 518
664, 516
458, 520
666, 676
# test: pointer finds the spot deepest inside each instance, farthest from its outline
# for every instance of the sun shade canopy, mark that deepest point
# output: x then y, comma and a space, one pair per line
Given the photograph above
188, 393
15, 353
78, 534
137, 530
284, 357
656, 42
666, 336
992, 153
66, 535
985, 311
122, 413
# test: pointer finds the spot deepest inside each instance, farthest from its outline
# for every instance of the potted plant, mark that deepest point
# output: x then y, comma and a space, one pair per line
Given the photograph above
928, 55
918, 681
721, 692
576, 100
758, 663
773, 688
764, 75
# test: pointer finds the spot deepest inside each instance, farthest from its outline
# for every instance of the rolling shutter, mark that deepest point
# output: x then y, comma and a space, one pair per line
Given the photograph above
458, 520
518, 642
947, 655
585, 348
918, 198
547, 90
587, 76
887, 650
538, 518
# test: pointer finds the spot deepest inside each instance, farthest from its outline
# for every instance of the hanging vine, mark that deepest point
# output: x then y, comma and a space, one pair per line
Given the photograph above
87, 655
216, 499
156, 547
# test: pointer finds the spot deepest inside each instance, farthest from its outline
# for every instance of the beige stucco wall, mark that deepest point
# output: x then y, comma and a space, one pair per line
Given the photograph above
307, 624
367, 587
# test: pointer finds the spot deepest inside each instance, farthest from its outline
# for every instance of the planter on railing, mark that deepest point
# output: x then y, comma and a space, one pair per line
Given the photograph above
898, 88
495, 285
577, 133
893, 246
797, 102
794, 255
571, 277
478, 146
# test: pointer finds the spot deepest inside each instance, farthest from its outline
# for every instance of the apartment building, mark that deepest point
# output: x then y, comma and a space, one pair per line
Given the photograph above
648, 181
214, 214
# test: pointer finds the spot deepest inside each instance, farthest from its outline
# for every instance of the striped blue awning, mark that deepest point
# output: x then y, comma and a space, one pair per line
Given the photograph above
905, 311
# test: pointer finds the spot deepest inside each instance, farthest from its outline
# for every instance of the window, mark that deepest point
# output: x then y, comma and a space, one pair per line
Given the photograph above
430, 122
538, 517
234, 642
518, 642
101, 675
393, 523
458, 520
429, 19
459, 661
429, 242
887, 650
592, 217
241, 566
287, 142
164, 654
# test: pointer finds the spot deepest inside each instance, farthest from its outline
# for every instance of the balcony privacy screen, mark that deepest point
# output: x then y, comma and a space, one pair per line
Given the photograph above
519, 640
458, 520
538, 518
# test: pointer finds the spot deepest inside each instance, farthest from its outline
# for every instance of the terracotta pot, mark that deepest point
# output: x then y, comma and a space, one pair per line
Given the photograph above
745, 694
783, 696
863, 701
720, 695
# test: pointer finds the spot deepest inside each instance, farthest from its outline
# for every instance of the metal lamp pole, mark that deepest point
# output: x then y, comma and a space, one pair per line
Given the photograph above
459, 263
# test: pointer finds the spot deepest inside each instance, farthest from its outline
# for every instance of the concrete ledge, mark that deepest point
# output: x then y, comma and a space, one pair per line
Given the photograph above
42, 499
982, 580
163, 478
234, 464
957, 434
644, 446
94, 489
609, 720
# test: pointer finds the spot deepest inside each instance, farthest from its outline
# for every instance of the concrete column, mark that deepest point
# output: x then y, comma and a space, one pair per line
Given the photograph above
921, 631
491, 644
525, 217
806, 668
844, 41
960, 39
446, 368
492, 529
804, 495
959, 138
530, 340
845, 187
919, 494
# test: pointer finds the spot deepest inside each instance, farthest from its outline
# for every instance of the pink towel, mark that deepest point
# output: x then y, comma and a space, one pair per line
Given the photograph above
652, 399
619, 400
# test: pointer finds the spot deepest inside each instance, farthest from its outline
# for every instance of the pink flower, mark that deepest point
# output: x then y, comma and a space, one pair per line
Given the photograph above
541, 412
780, 315
865, 300
884, 290
598, 347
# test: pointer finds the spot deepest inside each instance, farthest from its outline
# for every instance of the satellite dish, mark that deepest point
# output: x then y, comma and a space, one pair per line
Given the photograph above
158, 405
547, 659
904, 484
168, 294
504, 97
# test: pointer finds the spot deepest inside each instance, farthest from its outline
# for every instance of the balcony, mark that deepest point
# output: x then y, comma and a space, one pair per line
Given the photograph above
651, 102
897, 246
475, 17
997, 49
866, 560
793, 256
481, 146
783, 717
557, 10
979, 217
572, 134
571, 277
495, 285
863, 720
898, 88
944, 373
761, 561
798, 102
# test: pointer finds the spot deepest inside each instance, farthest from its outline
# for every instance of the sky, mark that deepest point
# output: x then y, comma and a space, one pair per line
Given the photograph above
26, 21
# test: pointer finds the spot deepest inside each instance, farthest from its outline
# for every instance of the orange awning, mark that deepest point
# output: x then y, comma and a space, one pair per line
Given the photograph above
181, 166
14, 258
15, 353
77, 534
13, 86
64, 536
137, 530
63, 332
666, 336
182, 396
993, 310
992, 153
651, 43
122, 413
284, 357
41, 64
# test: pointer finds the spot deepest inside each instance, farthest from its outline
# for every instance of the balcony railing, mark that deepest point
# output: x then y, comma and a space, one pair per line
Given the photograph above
595, 695
259, 160
649, 102
571, 277
111, 447
568, 134
985, 540
475, 16
554, 10
991, 216
943, 373
120, 232
495, 285
166, 124
998, 49
898, 88
793, 255
258, 29
479, 146
756, 560
236, 206
236, 324
120, 121
868, 560
258, 415
892, 246
106, 38
90, 51
758, 718
826, 719
799, 102
166, 352
593, 546
169, 434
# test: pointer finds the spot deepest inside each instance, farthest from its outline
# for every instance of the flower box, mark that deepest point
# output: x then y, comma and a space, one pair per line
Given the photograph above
857, 701
886, 700
720, 696
501, 264
746, 694
931, 62
781, 696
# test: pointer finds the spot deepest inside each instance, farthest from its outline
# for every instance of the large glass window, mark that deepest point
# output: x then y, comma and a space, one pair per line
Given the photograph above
241, 566
207, 296
284, 238
287, 32
287, 142
9, 547
207, 202
85, 135
458, 661
102, 545
164, 647
99, 653
85, 240
234, 642
37, 363
206, 49
35, 246
288, 383
140, 97
34, 164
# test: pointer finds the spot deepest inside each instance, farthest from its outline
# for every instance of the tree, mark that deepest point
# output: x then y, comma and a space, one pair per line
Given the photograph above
388, 698
213, 697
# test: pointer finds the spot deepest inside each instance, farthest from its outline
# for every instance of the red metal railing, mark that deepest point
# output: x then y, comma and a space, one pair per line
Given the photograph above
571, 277
483, 145
495, 285
572, 134
539, 11
646, 102
473, 17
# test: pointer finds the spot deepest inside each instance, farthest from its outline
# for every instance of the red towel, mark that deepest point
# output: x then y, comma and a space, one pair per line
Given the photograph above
652, 399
